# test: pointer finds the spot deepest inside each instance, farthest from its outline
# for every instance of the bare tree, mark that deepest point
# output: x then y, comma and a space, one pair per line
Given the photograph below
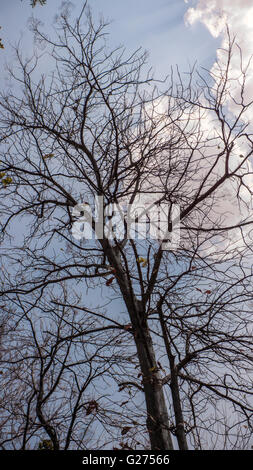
100, 125
57, 363
37, 2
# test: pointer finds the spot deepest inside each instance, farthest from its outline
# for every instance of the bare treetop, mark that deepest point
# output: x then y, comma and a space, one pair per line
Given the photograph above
154, 344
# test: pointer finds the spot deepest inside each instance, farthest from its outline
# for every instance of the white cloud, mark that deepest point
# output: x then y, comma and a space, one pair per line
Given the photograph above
216, 15
238, 16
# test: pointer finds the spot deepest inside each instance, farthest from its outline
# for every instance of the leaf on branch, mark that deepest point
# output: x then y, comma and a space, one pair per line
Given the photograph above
6, 181
125, 430
48, 155
109, 281
41, 2
135, 423
113, 270
92, 406
124, 445
122, 387
1, 44
153, 369
46, 444
143, 261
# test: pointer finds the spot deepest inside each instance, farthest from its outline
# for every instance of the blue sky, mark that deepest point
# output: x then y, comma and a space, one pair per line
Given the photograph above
158, 27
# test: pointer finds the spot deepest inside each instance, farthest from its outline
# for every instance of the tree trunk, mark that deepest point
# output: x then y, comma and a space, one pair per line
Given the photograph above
180, 431
157, 414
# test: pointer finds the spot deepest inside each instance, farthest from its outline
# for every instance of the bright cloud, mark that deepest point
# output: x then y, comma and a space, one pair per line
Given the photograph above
237, 15
216, 13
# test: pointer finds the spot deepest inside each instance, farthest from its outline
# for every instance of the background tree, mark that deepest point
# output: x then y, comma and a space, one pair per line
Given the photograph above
54, 362
38, 2
170, 329
1, 44
33, 4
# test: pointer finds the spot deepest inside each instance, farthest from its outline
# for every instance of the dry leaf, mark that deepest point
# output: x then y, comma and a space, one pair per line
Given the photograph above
125, 430
92, 406
109, 281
